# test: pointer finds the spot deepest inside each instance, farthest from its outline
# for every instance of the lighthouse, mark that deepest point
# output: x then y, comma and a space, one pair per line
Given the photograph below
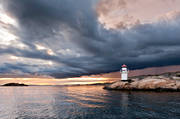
124, 73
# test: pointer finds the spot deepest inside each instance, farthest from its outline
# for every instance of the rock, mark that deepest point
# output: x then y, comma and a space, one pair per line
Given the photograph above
148, 83
177, 74
14, 84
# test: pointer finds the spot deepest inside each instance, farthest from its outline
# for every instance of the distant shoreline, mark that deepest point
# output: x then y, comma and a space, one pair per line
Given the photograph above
14, 84
96, 84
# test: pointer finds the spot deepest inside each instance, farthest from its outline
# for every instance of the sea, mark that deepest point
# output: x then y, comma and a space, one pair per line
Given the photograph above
86, 102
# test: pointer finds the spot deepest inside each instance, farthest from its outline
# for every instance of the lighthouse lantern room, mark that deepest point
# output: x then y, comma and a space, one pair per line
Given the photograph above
124, 73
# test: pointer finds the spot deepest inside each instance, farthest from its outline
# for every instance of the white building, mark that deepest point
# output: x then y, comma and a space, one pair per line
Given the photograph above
124, 73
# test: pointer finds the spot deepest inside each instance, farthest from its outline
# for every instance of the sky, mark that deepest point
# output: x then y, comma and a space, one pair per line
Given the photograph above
72, 38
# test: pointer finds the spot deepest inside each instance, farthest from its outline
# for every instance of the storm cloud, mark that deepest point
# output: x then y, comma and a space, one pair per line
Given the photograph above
64, 38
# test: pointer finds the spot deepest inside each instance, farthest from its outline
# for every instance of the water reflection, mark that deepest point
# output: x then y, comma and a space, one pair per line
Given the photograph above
124, 102
76, 102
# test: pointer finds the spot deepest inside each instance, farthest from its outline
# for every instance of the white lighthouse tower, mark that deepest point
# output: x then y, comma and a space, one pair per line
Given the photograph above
124, 73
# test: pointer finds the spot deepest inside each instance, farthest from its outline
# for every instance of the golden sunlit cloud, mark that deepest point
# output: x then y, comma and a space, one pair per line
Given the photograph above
7, 19
56, 44
7, 35
30, 61
48, 51
40, 47
170, 15
126, 13
50, 63
6, 38
13, 57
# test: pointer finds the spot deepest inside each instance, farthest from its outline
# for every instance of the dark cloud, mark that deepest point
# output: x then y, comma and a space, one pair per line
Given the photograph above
71, 26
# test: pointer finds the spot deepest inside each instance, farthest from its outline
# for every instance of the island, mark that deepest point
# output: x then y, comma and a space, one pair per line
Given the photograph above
14, 84
162, 82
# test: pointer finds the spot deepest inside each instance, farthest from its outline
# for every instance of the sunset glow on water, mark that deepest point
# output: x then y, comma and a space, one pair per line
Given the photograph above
85, 102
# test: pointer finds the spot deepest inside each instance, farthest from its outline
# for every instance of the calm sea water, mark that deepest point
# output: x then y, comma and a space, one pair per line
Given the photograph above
85, 102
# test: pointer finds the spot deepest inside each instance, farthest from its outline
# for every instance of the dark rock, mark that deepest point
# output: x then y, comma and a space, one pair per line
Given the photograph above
14, 84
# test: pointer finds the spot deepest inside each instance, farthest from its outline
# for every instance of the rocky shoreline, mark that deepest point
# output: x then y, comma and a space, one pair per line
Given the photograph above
148, 83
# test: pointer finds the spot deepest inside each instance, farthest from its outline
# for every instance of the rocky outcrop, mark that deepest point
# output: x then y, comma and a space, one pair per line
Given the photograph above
14, 84
154, 83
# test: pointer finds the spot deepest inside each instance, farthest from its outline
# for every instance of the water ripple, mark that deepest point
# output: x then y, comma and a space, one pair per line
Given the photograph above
85, 102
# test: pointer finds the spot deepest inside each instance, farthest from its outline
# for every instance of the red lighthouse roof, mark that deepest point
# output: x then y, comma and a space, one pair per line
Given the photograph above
124, 66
